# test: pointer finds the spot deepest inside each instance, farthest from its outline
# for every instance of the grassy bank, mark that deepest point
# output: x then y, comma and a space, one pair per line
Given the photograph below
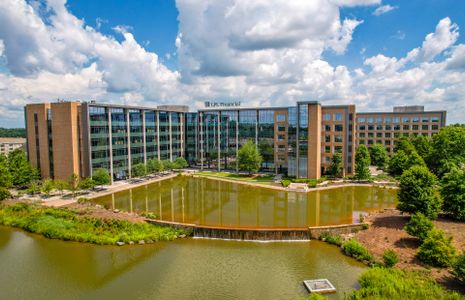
68, 225
260, 179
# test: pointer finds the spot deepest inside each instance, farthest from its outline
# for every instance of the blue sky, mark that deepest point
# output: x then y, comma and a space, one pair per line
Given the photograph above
372, 53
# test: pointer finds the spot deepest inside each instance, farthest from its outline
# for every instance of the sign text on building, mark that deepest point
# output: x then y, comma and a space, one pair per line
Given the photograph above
210, 104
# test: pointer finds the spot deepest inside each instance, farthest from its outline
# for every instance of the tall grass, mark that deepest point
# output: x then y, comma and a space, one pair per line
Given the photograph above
68, 225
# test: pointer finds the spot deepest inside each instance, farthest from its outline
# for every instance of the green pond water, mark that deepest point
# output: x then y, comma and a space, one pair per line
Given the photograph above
210, 202
33, 267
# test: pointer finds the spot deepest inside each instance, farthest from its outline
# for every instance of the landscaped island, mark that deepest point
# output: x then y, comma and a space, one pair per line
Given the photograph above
70, 225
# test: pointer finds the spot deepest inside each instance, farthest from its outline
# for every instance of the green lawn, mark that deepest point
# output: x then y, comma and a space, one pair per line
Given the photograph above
260, 179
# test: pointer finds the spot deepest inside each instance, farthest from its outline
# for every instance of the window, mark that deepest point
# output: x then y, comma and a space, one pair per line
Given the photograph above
379, 120
396, 134
406, 134
337, 117
281, 128
424, 127
361, 127
370, 142
379, 134
414, 127
396, 120
371, 127
361, 134
327, 149
434, 119
387, 143
327, 127
361, 120
434, 127
387, 120
337, 149
388, 127
405, 119
425, 119
327, 138
280, 117
415, 119
327, 117
281, 138
387, 135
362, 142
338, 138
371, 134
370, 120
397, 127
379, 127
338, 128
406, 127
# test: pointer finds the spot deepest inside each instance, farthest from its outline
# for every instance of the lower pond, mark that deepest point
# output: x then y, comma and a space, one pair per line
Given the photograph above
210, 202
33, 267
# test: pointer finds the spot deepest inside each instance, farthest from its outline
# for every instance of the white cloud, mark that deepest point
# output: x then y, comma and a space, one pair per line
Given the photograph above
260, 52
355, 2
384, 9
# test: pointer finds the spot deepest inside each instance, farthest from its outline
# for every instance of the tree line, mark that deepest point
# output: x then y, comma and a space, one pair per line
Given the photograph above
13, 132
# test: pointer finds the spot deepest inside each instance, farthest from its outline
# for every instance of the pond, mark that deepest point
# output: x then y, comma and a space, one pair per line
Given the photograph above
209, 202
33, 267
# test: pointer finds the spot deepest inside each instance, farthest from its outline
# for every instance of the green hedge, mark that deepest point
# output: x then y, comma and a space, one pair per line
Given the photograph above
353, 248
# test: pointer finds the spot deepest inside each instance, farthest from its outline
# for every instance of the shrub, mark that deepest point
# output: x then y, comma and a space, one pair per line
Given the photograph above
453, 193
285, 182
149, 215
417, 192
390, 258
437, 250
101, 177
82, 200
393, 283
419, 226
312, 183
4, 193
353, 248
180, 163
459, 267
334, 239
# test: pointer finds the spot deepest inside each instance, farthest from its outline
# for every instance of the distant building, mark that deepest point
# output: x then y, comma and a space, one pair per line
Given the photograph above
73, 137
9, 144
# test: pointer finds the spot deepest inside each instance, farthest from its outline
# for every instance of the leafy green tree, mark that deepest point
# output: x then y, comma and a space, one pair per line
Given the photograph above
101, 177
180, 163
423, 146
154, 166
419, 226
48, 186
402, 161
34, 187
21, 170
453, 193
417, 193
60, 185
87, 184
12, 132
448, 146
168, 165
378, 155
138, 170
437, 250
73, 184
4, 193
336, 165
459, 267
266, 151
5, 176
404, 144
362, 163
249, 158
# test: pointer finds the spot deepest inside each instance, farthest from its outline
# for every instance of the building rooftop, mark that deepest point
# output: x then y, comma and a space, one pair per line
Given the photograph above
10, 140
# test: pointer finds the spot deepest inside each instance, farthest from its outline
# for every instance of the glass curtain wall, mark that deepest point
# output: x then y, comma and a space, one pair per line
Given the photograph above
119, 143
136, 137
210, 138
230, 155
303, 140
266, 138
191, 133
247, 126
176, 136
292, 142
164, 135
151, 135
99, 138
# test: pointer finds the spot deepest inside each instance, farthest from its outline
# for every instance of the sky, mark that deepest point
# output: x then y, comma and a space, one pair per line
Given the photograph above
372, 53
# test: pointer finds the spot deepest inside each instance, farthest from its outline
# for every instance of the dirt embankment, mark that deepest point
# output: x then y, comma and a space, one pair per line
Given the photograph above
386, 232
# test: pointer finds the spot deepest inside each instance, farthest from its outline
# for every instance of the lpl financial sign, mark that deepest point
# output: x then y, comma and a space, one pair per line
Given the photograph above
210, 104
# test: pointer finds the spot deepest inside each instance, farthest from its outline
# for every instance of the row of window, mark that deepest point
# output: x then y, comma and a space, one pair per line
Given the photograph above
333, 117
398, 127
397, 119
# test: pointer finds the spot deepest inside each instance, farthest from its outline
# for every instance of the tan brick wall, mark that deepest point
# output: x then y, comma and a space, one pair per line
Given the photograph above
314, 144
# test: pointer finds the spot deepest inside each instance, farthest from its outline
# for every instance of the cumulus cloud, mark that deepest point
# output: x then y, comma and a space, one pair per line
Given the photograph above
260, 52
384, 9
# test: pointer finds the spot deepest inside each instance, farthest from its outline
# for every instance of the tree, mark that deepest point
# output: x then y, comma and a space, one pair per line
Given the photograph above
73, 184
453, 193
249, 158
419, 226
378, 155
101, 177
336, 165
266, 151
138, 170
180, 163
404, 144
402, 161
87, 184
154, 166
423, 146
459, 267
168, 165
60, 185
5, 177
417, 193
20, 169
34, 187
48, 186
448, 146
362, 163
437, 250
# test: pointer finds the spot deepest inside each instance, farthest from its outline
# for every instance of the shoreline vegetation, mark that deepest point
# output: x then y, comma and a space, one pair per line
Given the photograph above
74, 225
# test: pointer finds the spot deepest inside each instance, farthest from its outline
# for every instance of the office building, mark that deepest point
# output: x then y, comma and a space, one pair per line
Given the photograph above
8, 144
73, 137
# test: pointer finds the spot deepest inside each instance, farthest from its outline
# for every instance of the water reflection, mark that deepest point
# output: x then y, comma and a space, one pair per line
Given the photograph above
210, 202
